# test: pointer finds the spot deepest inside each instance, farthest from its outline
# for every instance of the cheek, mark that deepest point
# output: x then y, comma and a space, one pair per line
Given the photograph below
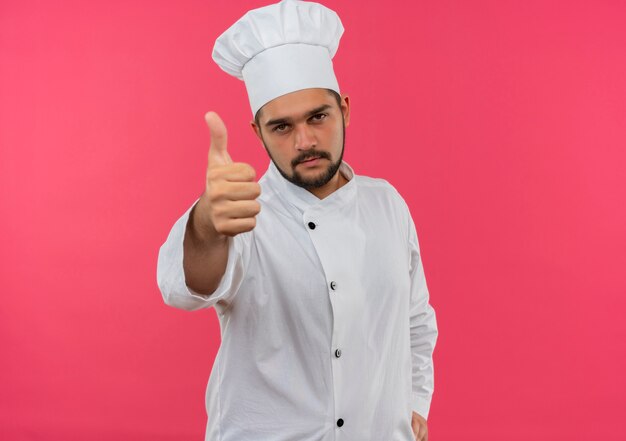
281, 152
336, 138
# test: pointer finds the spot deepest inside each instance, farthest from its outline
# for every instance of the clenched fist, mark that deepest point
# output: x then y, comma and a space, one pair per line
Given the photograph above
420, 427
228, 205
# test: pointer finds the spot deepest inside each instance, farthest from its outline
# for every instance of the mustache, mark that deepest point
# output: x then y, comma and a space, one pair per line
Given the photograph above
309, 154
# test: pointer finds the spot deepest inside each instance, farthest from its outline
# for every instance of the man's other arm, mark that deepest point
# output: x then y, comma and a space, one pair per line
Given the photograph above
423, 329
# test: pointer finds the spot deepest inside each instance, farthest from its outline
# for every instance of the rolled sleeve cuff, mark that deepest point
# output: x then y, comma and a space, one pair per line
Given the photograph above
421, 405
171, 274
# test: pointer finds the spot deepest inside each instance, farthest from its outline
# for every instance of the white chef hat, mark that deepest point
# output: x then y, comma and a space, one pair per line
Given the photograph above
281, 48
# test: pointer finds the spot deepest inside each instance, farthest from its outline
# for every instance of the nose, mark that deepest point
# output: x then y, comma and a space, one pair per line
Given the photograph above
304, 137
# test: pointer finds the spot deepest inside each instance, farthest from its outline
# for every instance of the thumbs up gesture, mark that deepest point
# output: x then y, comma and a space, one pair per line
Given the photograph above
228, 205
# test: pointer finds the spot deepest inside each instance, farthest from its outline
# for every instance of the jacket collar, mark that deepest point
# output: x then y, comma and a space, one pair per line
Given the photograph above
303, 199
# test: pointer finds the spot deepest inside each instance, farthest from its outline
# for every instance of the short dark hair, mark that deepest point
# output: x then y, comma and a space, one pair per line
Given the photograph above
257, 116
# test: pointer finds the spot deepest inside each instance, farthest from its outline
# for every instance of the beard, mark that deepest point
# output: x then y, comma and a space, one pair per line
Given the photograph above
324, 177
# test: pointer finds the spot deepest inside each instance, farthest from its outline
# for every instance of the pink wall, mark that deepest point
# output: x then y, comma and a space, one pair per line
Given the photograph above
503, 124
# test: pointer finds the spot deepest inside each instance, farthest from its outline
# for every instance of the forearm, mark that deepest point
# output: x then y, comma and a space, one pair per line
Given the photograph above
205, 256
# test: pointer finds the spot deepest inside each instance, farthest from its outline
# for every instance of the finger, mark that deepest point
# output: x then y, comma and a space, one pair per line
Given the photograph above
236, 226
235, 172
238, 191
218, 152
243, 209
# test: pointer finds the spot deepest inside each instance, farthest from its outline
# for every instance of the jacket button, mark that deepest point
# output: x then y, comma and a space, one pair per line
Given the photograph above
333, 285
338, 353
340, 422
311, 225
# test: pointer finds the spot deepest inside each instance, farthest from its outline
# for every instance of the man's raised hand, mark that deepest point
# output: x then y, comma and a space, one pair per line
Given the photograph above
228, 205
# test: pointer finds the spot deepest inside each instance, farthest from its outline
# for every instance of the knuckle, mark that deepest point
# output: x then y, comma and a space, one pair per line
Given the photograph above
246, 170
212, 174
219, 226
216, 192
217, 215
230, 229
223, 210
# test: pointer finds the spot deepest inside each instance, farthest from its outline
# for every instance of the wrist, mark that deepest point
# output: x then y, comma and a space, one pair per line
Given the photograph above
201, 227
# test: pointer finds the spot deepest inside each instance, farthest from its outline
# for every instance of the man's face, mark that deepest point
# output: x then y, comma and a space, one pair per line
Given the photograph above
303, 133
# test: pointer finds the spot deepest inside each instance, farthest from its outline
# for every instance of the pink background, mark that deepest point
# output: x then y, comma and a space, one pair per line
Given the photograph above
503, 124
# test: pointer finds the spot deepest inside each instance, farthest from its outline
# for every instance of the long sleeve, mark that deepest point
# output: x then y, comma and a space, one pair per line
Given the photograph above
424, 332
171, 275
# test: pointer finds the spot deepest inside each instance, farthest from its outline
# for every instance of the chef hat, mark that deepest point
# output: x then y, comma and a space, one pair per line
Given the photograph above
281, 48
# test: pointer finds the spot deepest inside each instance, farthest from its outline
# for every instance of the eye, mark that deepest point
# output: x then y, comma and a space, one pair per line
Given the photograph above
318, 117
279, 128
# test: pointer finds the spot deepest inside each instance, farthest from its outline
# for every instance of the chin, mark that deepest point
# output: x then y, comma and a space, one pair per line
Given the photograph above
316, 180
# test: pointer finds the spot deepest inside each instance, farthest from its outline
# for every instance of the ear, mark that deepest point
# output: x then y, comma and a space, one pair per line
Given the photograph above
345, 109
256, 129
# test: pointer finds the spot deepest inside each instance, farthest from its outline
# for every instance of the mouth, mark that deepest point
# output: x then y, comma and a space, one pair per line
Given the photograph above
311, 162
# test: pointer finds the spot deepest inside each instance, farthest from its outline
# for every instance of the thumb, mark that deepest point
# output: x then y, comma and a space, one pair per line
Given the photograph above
218, 152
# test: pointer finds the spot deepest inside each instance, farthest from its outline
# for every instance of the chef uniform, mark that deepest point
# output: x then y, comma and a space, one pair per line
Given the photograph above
327, 332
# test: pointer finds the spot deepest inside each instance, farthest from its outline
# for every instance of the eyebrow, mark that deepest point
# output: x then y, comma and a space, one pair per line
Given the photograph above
276, 121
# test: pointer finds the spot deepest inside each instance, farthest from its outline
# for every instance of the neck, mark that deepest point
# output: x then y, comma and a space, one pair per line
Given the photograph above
330, 187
